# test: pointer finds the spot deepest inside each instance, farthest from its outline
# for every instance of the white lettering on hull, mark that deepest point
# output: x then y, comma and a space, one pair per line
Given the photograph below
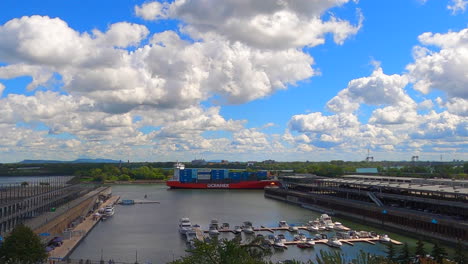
217, 185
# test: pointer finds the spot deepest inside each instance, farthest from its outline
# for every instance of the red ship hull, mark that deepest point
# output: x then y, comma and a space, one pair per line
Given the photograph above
237, 185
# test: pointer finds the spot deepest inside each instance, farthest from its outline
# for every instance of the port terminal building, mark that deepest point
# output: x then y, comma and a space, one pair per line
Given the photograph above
432, 208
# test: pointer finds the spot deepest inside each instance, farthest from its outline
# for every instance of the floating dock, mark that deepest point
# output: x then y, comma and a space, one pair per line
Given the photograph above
132, 202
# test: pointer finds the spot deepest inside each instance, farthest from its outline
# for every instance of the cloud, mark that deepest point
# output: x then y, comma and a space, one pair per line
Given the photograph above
271, 24
151, 10
443, 69
458, 106
457, 6
2, 87
377, 89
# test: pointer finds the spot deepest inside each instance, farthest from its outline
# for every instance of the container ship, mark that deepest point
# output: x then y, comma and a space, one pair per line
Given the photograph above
218, 179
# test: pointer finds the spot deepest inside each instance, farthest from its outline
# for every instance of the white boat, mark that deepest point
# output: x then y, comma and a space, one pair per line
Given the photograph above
384, 239
300, 237
213, 231
237, 230
310, 241
184, 225
271, 239
190, 235
334, 242
109, 211
312, 228
340, 227
282, 238
215, 223
283, 224
293, 229
279, 243
326, 221
247, 228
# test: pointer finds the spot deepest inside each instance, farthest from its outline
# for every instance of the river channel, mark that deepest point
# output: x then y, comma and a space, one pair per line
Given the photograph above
149, 232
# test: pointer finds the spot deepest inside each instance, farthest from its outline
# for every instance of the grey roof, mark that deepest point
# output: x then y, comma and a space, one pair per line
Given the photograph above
431, 187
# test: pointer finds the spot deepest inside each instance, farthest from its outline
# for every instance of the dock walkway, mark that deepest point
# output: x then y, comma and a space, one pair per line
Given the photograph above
59, 253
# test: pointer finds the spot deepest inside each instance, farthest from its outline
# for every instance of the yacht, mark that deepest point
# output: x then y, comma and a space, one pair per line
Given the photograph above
271, 239
312, 228
190, 236
215, 223
225, 226
184, 225
213, 231
283, 224
109, 211
338, 226
334, 242
326, 221
293, 229
248, 229
237, 230
304, 245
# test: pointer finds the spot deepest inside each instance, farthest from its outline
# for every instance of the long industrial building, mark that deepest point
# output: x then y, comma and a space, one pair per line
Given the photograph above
435, 208
47, 205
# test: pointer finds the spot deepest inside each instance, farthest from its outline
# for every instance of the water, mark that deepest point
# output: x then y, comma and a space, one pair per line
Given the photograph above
151, 230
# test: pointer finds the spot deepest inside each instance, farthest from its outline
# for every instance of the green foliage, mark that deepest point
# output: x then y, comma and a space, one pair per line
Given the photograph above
224, 252
420, 249
22, 246
328, 257
460, 256
391, 254
438, 253
368, 258
124, 177
405, 255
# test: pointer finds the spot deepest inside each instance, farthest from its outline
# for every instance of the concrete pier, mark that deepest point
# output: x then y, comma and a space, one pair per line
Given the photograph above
60, 253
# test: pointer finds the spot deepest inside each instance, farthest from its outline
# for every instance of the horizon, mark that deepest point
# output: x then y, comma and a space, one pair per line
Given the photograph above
282, 80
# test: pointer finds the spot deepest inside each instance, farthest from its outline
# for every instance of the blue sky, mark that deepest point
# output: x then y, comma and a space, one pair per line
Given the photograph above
237, 80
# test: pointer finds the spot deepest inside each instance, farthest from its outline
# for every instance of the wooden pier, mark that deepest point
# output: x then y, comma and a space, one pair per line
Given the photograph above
350, 241
132, 202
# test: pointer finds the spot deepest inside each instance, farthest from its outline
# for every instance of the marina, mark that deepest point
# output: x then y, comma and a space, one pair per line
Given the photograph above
299, 240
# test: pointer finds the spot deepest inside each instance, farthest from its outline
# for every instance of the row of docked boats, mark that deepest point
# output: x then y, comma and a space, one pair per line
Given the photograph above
319, 224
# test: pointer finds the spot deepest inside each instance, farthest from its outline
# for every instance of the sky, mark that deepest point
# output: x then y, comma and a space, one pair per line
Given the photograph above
289, 80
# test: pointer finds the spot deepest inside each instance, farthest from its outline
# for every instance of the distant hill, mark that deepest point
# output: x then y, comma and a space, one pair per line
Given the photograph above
74, 161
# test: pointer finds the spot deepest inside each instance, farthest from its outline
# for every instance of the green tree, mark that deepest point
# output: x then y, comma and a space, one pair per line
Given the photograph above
224, 252
420, 249
460, 256
391, 254
405, 255
22, 246
124, 177
438, 253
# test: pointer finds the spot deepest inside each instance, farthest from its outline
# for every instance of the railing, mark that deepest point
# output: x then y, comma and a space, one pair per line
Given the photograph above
375, 199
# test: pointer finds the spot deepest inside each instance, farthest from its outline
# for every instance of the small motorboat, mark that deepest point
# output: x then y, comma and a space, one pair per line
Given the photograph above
237, 230
282, 238
225, 226
283, 224
334, 242
190, 235
279, 244
260, 236
384, 239
293, 228
310, 241
271, 239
